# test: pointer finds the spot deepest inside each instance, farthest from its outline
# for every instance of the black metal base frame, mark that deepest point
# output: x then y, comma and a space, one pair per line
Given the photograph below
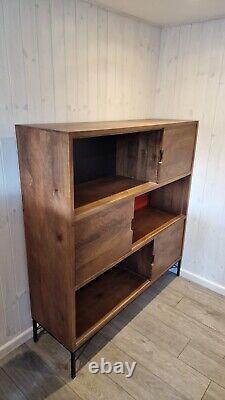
73, 364
37, 328
178, 267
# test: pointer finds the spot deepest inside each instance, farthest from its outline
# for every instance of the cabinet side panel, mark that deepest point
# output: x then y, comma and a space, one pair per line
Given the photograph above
45, 171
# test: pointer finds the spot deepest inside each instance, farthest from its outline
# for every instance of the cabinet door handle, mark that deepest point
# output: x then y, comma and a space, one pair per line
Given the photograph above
161, 151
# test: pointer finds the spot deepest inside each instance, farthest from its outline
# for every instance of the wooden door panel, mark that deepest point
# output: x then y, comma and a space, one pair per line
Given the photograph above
138, 154
167, 248
101, 239
176, 152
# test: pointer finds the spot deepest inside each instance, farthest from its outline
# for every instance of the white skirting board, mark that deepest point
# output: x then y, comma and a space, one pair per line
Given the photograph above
15, 342
203, 281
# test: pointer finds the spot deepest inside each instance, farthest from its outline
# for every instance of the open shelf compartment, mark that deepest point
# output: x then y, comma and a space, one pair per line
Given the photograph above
100, 300
108, 165
148, 220
159, 209
93, 191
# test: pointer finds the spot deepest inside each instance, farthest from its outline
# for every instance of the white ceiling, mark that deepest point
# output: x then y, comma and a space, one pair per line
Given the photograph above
168, 12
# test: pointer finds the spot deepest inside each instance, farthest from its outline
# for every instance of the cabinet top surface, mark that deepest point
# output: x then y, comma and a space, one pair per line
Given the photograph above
85, 129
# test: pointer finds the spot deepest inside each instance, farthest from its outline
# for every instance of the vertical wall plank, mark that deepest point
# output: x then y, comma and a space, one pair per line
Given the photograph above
82, 59
119, 67
152, 62
136, 63
13, 44
71, 59
92, 48
141, 66
58, 59
18, 273
102, 56
129, 65
7, 184
30, 58
111, 66
44, 39
11, 310
2, 315
5, 92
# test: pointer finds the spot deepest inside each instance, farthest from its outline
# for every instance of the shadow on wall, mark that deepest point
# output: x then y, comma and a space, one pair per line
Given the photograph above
14, 293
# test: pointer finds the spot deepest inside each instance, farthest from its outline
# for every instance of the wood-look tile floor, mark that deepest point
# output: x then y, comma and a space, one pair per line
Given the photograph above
175, 332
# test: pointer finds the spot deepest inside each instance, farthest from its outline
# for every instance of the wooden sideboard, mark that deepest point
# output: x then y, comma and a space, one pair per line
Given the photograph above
104, 206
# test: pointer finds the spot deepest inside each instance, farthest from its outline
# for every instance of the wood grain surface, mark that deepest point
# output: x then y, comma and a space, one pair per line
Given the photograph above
90, 129
45, 167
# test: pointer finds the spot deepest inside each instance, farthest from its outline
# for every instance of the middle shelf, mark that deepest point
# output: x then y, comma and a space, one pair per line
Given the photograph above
102, 192
101, 188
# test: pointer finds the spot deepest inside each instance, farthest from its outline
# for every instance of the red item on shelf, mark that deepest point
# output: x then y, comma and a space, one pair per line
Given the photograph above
141, 202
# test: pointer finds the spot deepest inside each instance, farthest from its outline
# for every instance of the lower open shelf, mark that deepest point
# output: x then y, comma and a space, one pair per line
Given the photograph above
103, 298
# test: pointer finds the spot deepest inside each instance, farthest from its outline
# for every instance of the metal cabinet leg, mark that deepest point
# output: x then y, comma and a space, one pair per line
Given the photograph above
178, 267
35, 331
36, 328
73, 365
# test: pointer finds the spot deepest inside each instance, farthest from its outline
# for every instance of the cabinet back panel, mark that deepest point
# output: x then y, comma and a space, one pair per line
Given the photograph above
172, 198
94, 158
132, 155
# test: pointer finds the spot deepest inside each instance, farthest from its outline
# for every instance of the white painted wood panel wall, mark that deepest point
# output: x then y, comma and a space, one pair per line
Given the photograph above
60, 60
191, 84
